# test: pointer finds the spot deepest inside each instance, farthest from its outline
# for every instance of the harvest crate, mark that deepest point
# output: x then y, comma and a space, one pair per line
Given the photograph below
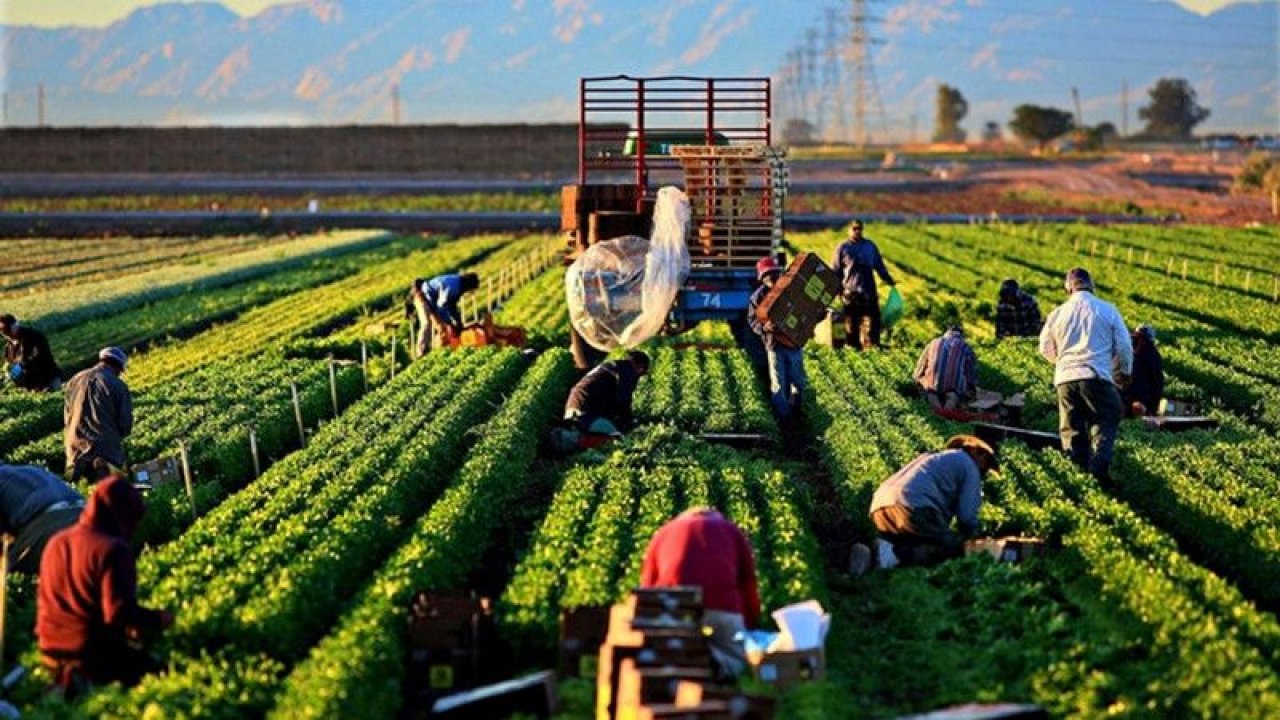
800, 298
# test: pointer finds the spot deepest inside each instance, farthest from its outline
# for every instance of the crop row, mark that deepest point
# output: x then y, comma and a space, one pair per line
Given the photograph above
589, 546
175, 317
44, 265
704, 391
539, 307
213, 411
318, 522
1117, 571
72, 305
357, 669
305, 313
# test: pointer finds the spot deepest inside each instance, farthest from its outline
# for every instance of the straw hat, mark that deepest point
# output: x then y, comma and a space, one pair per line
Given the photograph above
964, 442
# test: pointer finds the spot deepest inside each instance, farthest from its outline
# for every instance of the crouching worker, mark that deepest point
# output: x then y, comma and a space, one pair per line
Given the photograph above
1145, 386
599, 406
35, 505
89, 625
436, 303
947, 372
912, 510
703, 548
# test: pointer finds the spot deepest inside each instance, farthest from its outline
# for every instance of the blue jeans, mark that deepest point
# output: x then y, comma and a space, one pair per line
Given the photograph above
786, 379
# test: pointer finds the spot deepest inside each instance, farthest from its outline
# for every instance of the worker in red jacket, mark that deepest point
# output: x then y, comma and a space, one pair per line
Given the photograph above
704, 548
89, 625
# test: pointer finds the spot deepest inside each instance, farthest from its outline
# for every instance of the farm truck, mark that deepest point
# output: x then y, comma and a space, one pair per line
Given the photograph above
711, 136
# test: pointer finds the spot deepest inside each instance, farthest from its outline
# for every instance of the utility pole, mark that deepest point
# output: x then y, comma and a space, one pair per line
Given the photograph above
40, 105
832, 83
1124, 108
395, 103
6, 108
914, 116
1075, 98
810, 98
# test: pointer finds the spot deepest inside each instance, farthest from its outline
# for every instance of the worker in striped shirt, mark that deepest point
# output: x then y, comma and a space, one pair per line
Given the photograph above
947, 370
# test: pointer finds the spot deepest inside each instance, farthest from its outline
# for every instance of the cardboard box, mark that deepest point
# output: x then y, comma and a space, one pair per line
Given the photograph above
641, 686
1008, 549
157, 472
447, 634
787, 668
741, 706
799, 299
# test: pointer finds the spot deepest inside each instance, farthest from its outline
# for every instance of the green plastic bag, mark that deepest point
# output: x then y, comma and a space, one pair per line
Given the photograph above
891, 313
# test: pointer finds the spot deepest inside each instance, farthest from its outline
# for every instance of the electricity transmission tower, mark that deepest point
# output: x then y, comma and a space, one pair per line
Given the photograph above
865, 88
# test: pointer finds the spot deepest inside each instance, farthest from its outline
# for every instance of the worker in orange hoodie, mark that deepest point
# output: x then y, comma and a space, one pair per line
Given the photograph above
89, 625
703, 548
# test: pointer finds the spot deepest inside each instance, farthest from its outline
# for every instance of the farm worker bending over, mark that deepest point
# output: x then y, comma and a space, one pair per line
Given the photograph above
947, 371
701, 547
1146, 384
31, 364
436, 302
98, 416
600, 403
858, 261
89, 625
1017, 313
1088, 343
34, 505
912, 510
786, 362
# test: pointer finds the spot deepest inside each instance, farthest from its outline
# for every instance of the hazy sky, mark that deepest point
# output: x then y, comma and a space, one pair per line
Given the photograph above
468, 61
48, 13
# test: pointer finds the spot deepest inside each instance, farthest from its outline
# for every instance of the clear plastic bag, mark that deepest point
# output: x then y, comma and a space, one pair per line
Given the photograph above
619, 291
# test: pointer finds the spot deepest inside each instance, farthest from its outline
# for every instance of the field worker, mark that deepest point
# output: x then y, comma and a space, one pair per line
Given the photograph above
786, 361
912, 511
1087, 341
600, 403
98, 416
858, 261
31, 364
701, 547
1146, 383
1017, 313
947, 371
89, 625
34, 505
436, 303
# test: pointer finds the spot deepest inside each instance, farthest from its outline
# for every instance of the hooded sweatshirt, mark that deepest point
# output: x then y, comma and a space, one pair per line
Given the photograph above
704, 548
88, 592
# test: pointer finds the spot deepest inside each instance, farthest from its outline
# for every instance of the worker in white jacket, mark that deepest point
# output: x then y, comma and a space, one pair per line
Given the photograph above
1089, 344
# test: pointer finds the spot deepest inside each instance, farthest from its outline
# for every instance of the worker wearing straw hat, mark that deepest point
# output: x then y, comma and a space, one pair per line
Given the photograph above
913, 510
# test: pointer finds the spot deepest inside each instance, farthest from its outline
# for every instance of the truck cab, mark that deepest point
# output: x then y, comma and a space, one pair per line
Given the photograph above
712, 137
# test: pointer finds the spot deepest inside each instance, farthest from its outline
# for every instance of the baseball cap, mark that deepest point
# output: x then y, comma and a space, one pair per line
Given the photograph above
114, 353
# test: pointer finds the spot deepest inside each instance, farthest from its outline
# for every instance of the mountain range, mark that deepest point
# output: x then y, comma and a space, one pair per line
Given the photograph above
440, 61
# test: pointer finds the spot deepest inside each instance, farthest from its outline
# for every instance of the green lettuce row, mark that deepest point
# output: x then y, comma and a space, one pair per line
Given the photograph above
703, 391
72, 305
540, 308
358, 445
77, 347
357, 669
305, 313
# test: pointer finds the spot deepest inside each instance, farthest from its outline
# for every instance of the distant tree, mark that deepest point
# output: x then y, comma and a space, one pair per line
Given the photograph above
1173, 110
798, 131
1107, 131
1041, 124
951, 109
991, 132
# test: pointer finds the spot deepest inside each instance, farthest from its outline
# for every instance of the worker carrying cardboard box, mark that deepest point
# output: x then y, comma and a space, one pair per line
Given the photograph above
947, 371
31, 363
35, 504
1145, 386
98, 416
913, 510
436, 303
701, 547
89, 625
787, 380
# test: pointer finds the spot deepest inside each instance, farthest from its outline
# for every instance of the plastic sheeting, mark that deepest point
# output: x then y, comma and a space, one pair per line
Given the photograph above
619, 291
